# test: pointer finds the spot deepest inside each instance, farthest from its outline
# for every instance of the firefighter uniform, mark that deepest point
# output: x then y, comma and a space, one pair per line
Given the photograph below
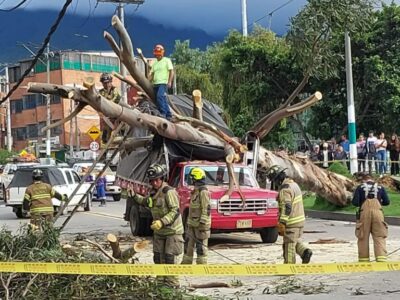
168, 240
37, 199
114, 96
198, 226
291, 217
370, 197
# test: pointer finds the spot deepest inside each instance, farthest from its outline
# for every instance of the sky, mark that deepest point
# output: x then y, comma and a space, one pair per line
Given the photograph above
215, 17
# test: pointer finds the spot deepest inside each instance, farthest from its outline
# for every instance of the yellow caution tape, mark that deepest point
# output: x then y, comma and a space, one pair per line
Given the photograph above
195, 270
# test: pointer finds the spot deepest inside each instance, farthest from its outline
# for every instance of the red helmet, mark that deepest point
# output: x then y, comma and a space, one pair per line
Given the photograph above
158, 50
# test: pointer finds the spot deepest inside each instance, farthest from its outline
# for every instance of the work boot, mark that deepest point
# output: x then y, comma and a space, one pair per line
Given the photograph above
306, 257
103, 202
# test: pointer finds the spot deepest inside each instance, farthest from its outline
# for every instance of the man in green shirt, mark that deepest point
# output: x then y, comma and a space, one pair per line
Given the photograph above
161, 75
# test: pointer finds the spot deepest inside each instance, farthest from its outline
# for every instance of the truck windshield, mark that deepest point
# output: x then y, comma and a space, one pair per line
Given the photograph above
218, 175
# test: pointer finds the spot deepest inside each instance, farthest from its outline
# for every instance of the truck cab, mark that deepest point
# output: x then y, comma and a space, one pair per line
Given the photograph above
258, 213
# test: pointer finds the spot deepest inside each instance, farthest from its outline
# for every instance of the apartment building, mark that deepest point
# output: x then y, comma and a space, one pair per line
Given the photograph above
29, 113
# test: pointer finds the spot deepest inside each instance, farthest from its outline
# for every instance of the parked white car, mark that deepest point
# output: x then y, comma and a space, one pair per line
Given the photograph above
64, 180
112, 191
8, 173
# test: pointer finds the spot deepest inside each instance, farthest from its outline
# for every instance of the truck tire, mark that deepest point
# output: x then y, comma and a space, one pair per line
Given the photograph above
134, 220
117, 197
269, 234
88, 202
20, 214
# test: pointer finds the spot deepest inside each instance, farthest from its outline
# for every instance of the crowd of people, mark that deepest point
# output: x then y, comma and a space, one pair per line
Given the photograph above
374, 154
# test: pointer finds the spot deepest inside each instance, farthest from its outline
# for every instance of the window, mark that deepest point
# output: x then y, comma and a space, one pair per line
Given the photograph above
14, 74
16, 106
32, 130
20, 134
40, 100
56, 130
24, 66
69, 177
54, 99
29, 101
41, 125
76, 177
176, 177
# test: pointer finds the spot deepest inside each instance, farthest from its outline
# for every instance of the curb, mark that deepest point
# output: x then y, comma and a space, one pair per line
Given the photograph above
328, 215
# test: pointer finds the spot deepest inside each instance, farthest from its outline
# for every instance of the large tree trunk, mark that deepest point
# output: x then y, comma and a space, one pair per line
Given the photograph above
331, 186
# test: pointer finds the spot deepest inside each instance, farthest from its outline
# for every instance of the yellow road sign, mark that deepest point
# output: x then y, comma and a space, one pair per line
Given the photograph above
93, 132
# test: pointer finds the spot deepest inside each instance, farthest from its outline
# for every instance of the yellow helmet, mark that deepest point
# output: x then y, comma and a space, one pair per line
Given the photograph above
197, 173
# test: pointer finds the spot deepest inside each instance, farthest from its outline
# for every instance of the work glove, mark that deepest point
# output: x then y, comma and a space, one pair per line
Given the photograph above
156, 225
281, 229
64, 198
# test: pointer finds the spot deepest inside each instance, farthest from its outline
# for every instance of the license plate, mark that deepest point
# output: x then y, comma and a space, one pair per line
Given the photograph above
244, 223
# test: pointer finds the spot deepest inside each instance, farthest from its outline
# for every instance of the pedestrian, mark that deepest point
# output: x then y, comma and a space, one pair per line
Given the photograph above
199, 220
37, 199
167, 225
369, 198
110, 92
394, 151
101, 188
344, 142
161, 75
340, 155
325, 156
371, 151
291, 216
381, 145
361, 152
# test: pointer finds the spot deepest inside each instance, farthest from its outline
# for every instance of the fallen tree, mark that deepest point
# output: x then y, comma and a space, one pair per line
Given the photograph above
333, 187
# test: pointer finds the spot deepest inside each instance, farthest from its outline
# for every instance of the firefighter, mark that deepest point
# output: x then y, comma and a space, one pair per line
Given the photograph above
167, 225
37, 199
291, 216
111, 93
199, 220
369, 197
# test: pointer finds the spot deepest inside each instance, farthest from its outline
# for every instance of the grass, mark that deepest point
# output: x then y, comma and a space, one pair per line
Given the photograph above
313, 203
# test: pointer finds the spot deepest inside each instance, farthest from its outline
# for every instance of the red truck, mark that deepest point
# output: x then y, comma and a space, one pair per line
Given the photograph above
259, 214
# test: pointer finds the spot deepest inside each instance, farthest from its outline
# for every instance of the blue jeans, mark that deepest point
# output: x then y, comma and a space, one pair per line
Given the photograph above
160, 90
381, 156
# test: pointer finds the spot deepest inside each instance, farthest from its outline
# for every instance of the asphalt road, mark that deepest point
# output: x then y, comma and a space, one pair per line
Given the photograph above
247, 248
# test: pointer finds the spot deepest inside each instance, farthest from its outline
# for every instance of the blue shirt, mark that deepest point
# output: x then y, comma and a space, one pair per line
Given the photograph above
346, 145
360, 195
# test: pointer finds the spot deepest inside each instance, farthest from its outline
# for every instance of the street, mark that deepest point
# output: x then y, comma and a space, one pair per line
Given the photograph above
331, 241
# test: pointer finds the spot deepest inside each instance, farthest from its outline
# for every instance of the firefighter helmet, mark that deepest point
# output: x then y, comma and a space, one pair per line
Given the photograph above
105, 77
158, 50
197, 173
37, 174
275, 171
156, 171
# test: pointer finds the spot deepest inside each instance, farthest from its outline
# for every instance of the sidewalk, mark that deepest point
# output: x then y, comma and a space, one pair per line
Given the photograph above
347, 217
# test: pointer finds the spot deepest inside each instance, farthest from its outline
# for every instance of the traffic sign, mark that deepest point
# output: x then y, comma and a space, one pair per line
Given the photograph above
93, 132
94, 146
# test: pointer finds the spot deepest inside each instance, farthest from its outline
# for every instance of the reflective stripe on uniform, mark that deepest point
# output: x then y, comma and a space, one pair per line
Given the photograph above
40, 196
295, 220
381, 258
42, 209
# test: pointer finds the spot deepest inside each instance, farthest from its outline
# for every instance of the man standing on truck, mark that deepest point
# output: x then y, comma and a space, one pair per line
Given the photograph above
291, 216
199, 219
167, 225
110, 92
37, 199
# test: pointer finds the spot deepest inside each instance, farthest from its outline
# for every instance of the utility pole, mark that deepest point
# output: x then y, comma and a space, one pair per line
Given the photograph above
121, 16
8, 104
244, 17
48, 105
350, 105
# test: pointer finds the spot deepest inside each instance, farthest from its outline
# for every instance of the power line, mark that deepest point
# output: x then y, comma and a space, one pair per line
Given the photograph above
269, 14
13, 8
41, 50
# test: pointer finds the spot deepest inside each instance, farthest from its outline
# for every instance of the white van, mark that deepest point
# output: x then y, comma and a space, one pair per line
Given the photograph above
64, 181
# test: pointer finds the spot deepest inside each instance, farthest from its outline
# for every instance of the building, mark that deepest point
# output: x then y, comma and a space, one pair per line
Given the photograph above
28, 111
